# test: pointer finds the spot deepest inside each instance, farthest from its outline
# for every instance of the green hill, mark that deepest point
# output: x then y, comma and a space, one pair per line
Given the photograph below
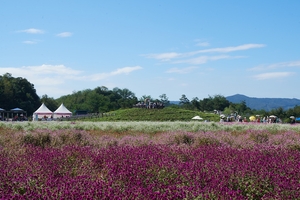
166, 114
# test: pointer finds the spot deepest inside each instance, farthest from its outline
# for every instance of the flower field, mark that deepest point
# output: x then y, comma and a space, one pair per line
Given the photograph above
149, 160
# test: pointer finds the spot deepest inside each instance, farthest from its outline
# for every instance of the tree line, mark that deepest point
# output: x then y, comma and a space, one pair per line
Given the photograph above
220, 103
18, 92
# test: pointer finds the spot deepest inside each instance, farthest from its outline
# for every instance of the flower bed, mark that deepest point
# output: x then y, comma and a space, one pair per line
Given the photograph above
221, 163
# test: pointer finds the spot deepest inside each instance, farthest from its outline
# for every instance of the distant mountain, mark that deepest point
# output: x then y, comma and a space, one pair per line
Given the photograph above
266, 104
175, 102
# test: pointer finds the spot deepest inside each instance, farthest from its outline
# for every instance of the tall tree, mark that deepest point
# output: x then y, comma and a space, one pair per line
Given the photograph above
185, 103
164, 99
49, 102
184, 100
206, 104
195, 102
124, 93
240, 107
18, 92
125, 97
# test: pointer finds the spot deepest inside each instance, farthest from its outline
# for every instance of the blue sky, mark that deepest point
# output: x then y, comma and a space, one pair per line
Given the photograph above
198, 48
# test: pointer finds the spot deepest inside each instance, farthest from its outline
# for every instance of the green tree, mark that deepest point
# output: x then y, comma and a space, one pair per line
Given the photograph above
164, 99
220, 102
49, 102
18, 92
93, 101
76, 100
185, 103
102, 90
184, 100
293, 112
242, 107
279, 112
124, 93
126, 97
196, 104
206, 104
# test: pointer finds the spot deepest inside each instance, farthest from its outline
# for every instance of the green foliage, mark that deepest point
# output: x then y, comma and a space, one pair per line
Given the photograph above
295, 147
184, 139
260, 137
50, 102
184, 100
166, 114
40, 140
240, 108
201, 141
99, 100
164, 99
252, 187
18, 92
217, 102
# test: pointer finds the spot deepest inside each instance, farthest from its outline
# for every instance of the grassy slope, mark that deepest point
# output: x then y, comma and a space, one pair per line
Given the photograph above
166, 114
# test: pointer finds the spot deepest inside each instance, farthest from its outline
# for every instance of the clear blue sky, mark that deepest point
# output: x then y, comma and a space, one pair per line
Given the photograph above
198, 48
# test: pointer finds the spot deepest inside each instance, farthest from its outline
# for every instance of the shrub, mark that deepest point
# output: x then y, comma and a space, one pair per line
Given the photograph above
206, 141
184, 138
259, 137
40, 139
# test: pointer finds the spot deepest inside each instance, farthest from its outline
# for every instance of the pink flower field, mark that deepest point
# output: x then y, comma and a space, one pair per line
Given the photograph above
73, 163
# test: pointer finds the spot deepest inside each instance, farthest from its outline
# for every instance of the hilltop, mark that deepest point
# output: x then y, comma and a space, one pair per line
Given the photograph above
166, 114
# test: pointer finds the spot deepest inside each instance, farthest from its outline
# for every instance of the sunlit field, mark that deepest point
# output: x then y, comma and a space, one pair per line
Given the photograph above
149, 160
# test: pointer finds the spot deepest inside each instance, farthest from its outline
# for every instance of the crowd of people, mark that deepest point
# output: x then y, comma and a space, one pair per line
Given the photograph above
20, 117
149, 105
258, 119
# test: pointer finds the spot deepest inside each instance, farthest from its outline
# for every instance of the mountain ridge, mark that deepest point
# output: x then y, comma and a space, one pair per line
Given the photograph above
264, 103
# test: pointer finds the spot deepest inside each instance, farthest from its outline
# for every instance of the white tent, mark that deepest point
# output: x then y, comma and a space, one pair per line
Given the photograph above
42, 112
62, 111
197, 117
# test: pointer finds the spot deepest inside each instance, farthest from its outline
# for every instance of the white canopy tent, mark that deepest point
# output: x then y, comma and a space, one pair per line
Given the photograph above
62, 111
42, 112
197, 117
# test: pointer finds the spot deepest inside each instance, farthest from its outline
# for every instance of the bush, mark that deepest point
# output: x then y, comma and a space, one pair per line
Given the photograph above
184, 139
207, 141
40, 139
260, 137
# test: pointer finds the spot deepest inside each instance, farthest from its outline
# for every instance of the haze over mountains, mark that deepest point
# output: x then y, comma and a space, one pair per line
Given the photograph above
264, 103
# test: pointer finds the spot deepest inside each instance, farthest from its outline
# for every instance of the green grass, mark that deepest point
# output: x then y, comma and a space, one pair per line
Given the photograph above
166, 114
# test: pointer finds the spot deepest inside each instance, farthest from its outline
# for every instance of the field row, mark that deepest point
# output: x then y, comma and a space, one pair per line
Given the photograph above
149, 172
149, 126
